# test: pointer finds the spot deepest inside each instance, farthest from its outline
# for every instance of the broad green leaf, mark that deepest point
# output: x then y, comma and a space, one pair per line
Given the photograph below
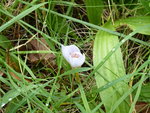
112, 69
135, 23
94, 10
5, 42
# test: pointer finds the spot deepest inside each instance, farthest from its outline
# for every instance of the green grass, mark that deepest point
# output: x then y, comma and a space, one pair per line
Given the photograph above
114, 35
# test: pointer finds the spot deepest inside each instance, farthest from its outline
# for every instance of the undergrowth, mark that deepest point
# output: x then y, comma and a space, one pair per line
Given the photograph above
113, 35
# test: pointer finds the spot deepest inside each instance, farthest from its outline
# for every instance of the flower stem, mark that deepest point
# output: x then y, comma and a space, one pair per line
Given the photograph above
77, 78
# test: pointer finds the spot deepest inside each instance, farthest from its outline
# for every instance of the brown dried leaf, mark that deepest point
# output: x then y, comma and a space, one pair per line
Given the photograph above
40, 44
33, 58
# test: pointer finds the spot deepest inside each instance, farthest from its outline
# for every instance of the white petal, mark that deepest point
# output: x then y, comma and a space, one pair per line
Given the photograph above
73, 48
67, 50
77, 62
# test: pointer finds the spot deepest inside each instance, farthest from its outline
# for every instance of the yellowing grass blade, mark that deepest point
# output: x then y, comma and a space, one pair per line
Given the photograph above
112, 69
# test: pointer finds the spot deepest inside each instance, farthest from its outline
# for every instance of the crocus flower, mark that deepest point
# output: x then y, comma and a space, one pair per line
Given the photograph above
73, 55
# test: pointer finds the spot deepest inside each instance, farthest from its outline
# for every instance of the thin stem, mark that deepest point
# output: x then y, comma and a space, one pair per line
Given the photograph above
77, 78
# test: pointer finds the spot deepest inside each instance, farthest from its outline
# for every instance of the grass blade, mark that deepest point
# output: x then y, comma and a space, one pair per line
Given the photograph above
84, 99
94, 10
18, 17
137, 94
4, 42
145, 93
80, 107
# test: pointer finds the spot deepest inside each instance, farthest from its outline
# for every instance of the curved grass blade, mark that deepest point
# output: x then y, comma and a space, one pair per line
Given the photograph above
14, 93
8, 97
15, 104
136, 23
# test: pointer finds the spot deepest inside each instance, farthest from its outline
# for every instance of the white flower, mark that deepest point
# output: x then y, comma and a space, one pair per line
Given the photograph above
73, 55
